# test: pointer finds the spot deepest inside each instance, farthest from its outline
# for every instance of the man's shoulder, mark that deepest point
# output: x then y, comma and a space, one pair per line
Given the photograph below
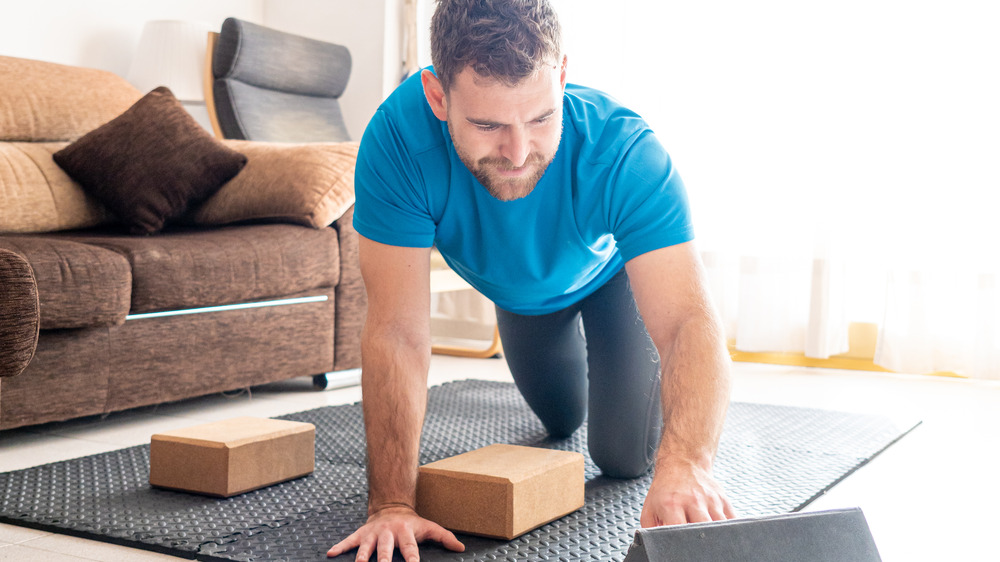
406, 118
600, 120
409, 94
584, 98
588, 93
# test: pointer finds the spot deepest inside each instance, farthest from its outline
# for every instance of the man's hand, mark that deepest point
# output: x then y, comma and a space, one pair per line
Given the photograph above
395, 527
684, 493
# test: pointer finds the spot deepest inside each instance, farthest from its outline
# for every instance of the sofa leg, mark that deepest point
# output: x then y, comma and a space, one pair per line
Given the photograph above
337, 379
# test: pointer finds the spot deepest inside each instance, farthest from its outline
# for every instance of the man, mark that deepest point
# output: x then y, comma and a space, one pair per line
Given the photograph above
563, 208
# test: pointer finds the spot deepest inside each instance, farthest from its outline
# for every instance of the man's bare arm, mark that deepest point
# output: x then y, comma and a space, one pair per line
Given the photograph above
395, 357
395, 354
670, 290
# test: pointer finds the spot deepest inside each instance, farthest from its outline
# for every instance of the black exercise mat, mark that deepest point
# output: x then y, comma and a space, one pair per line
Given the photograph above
771, 460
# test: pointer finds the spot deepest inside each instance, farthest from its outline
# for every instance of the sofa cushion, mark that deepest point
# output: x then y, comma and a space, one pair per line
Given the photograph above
78, 285
308, 184
18, 314
150, 163
36, 195
190, 268
44, 101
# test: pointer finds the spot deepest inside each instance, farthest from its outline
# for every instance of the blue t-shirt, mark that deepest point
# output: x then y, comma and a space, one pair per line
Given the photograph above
610, 194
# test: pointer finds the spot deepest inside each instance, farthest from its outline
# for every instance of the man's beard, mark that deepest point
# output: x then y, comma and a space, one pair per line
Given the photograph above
503, 188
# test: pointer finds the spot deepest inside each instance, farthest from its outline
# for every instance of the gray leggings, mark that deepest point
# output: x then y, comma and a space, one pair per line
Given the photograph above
611, 375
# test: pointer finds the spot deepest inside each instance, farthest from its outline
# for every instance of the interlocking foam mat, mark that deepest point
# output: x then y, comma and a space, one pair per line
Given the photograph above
771, 460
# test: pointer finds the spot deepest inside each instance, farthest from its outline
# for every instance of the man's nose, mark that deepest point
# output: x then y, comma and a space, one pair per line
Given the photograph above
516, 146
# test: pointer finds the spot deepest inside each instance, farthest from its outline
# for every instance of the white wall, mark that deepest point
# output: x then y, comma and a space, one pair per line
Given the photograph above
101, 33
105, 33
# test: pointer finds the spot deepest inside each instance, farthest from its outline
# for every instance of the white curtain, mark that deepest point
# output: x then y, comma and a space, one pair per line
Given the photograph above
942, 321
785, 305
841, 159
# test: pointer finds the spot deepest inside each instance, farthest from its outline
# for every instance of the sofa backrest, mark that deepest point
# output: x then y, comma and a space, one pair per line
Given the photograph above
44, 101
44, 106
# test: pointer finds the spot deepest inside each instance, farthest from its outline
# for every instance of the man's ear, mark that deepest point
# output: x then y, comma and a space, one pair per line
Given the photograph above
434, 93
562, 72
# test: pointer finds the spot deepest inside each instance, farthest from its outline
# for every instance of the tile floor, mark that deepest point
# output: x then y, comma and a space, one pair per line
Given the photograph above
933, 496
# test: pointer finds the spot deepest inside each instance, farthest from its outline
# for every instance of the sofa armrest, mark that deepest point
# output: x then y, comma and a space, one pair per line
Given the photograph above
19, 314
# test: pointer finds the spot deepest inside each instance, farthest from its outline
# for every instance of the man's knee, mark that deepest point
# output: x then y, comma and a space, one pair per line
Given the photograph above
563, 424
618, 460
624, 434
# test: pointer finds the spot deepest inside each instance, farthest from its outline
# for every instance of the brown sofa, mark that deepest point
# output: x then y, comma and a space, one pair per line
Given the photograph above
94, 319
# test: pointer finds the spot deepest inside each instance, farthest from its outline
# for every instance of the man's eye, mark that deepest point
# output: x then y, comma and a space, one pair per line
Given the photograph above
486, 127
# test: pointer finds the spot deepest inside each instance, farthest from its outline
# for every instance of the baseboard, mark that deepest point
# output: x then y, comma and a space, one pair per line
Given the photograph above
862, 339
800, 360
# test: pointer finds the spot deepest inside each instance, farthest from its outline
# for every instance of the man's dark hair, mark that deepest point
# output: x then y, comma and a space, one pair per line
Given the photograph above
504, 40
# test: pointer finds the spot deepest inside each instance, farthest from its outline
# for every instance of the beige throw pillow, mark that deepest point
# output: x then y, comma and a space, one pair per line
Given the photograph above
36, 195
309, 184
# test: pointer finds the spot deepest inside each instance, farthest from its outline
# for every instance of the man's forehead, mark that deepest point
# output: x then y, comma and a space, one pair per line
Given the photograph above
473, 84
499, 109
486, 80
481, 77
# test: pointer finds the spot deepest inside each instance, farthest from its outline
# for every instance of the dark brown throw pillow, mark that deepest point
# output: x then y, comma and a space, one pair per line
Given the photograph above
149, 164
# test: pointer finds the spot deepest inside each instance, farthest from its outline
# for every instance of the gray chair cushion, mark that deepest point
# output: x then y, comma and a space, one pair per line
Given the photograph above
279, 87
274, 116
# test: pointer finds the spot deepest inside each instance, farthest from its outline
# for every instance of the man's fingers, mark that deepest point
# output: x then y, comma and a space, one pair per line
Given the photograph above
672, 514
366, 548
439, 534
715, 508
343, 546
377, 539
727, 509
692, 508
719, 507
645, 520
446, 538
386, 544
649, 518
697, 512
407, 543
408, 548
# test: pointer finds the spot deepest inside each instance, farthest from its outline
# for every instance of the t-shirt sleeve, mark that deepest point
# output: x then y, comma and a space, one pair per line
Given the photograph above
391, 208
648, 205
